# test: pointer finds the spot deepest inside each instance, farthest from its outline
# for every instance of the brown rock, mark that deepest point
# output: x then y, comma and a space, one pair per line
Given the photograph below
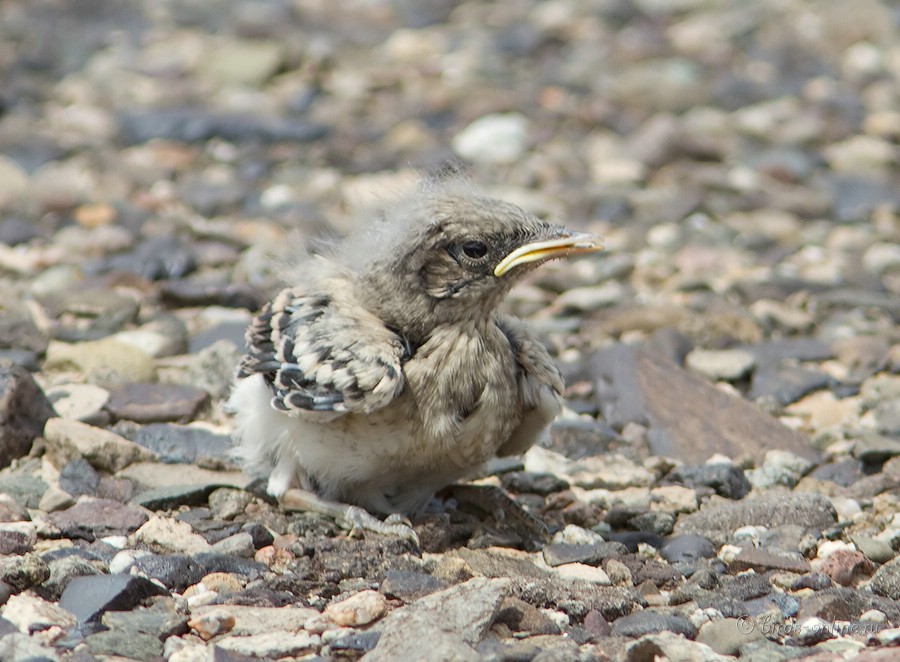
155, 403
688, 418
762, 560
24, 410
846, 567
96, 518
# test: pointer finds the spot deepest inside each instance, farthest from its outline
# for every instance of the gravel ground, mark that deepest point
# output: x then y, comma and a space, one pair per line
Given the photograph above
725, 480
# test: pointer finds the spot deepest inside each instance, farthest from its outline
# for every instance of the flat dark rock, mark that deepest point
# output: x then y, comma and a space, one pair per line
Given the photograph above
762, 560
98, 518
590, 553
199, 124
409, 585
154, 403
194, 292
648, 622
176, 571
181, 444
785, 384
24, 409
87, 598
688, 418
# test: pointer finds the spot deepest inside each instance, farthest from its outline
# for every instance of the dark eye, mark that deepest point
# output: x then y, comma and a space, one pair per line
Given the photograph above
474, 249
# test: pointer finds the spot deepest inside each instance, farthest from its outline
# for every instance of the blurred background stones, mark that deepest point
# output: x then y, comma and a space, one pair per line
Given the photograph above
730, 445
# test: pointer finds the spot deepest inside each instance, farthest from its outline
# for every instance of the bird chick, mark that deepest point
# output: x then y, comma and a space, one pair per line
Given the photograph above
387, 373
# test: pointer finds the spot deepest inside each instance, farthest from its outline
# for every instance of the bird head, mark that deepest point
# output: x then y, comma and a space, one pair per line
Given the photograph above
451, 257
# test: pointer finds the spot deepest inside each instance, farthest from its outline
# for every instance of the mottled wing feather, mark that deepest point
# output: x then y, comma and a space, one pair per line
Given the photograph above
318, 355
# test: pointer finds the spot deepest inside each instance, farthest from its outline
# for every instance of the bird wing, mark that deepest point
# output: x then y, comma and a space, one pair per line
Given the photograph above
540, 385
320, 353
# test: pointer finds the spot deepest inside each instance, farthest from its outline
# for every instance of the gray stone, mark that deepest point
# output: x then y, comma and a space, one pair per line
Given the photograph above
183, 444
159, 475
103, 362
461, 614
125, 644
228, 503
10, 509
726, 480
498, 138
249, 620
875, 448
24, 410
22, 487
875, 550
240, 544
78, 477
762, 560
212, 369
18, 646
687, 548
670, 646
718, 519
409, 585
69, 440
79, 314
886, 580
590, 553
164, 618
783, 385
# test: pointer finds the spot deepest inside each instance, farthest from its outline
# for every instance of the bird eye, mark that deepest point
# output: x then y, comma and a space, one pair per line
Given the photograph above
474, 249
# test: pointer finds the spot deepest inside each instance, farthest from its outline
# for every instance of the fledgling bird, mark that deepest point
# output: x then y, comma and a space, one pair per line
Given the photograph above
387, 373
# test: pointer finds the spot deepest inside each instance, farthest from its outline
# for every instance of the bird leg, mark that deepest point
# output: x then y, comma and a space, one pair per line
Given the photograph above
502, 506
352, 517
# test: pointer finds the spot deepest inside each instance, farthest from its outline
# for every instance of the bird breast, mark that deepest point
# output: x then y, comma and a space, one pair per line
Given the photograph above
463, 387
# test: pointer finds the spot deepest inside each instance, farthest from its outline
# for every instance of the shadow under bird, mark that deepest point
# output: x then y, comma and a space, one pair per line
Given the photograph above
387, 373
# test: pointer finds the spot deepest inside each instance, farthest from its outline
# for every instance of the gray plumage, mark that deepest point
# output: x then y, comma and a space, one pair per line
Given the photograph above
387, 372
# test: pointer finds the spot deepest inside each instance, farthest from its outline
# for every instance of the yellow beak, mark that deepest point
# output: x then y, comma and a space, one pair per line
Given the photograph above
539, 251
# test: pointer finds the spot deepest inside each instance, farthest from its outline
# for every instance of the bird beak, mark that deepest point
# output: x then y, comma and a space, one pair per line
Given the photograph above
573, 243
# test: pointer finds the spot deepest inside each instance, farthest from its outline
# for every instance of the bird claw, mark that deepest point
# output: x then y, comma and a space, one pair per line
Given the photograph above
357, 519
396, 525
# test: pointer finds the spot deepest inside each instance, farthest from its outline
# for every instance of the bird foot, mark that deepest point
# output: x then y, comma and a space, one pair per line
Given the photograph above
395, 524
502, 506
352, 517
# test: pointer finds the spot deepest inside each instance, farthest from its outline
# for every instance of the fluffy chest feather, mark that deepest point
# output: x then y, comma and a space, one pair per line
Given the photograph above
463, 386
